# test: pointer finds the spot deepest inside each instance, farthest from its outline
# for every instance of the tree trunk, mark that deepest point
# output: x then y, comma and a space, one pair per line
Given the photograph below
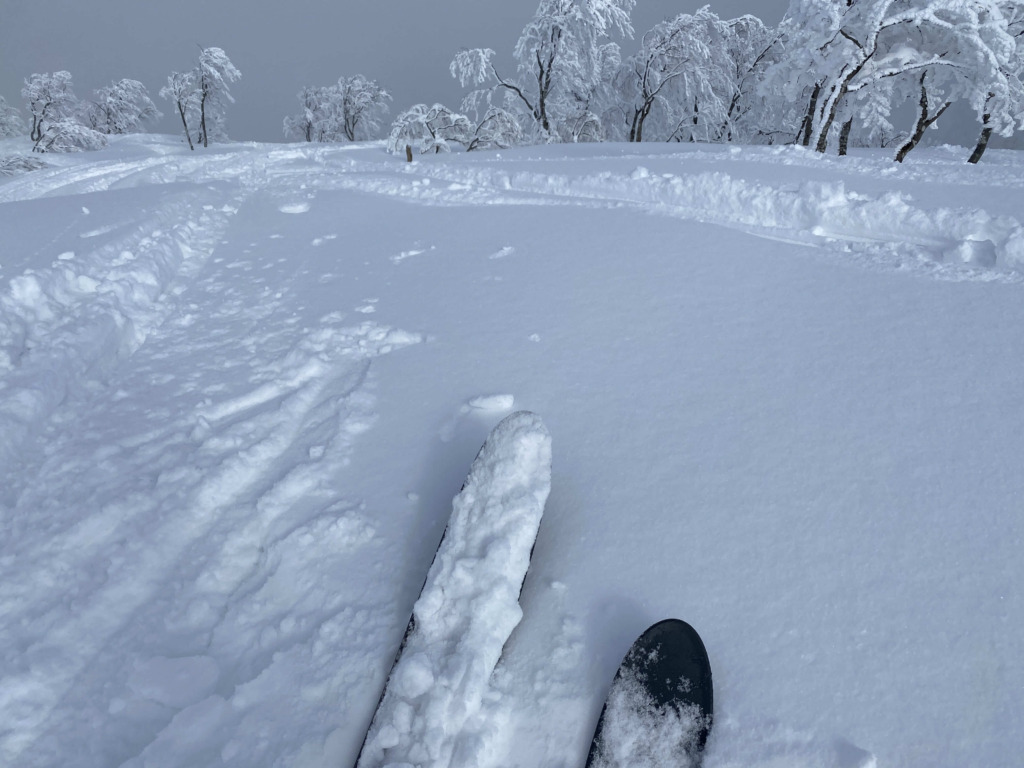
184, 123
986, 134
844, 136
826, 126
543, 88
636, 132
923, 122
805, 127
839, 91
726, 129
202, 120
979, 150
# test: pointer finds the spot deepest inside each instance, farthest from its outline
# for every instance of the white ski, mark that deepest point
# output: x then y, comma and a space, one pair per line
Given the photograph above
469, 604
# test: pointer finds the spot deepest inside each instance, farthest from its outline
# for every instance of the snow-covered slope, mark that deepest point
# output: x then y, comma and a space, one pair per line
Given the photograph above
239, 389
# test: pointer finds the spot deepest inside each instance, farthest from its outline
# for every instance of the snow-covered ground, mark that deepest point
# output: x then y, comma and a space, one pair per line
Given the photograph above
240, 387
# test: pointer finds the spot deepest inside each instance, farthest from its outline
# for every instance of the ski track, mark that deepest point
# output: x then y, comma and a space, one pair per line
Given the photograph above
237, 469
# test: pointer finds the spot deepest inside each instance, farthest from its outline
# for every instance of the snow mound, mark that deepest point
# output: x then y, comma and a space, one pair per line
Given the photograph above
824, 210
880, 228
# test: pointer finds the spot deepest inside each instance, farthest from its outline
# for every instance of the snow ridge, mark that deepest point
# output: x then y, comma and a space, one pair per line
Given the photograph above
469, 606
880, 229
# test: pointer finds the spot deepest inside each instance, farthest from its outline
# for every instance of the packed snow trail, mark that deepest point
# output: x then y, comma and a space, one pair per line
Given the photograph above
213, 530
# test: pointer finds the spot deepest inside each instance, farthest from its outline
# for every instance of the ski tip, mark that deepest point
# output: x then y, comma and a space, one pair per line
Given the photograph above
522, 429
522, 420
661, 701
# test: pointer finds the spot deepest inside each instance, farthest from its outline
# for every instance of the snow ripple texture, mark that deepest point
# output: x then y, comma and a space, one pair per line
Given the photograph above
430, 713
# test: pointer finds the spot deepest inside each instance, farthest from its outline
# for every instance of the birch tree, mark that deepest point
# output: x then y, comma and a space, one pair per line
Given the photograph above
214, 75
68, 135
433, 128
182, 93
362, 104
852, 46
318, 119
752, 46
49, 97
563, 63
1003, 107
121, 107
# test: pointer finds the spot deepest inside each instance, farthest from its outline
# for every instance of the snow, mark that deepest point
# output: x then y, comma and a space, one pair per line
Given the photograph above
639, 732
784, 398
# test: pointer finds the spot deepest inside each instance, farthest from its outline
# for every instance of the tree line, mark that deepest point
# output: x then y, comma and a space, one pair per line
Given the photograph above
832, 74
61, 122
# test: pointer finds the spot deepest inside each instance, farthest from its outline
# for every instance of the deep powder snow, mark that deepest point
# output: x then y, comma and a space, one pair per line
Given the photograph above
239, 389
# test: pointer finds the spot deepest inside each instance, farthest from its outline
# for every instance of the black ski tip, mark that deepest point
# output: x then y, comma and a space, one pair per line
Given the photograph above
670, 665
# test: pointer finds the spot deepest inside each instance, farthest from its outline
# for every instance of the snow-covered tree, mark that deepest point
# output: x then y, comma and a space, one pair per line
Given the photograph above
50, 97
69, 135
201, 95
214, 75
681, 65
1003, 105
363, 104
433, 128
929, 110
11, 123
11, 165
498, 129
351, 110
840, 50
317, 120
752, 46
565, 59
182, 93
695, 78
121, 107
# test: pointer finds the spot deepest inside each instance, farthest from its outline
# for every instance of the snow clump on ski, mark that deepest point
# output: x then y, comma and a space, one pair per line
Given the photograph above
469, 604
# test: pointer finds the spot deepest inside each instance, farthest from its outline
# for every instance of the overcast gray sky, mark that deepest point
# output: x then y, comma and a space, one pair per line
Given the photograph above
280, 45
